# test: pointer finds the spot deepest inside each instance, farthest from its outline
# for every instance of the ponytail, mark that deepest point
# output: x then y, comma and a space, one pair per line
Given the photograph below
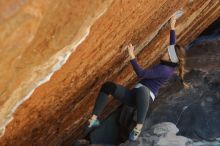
181, 56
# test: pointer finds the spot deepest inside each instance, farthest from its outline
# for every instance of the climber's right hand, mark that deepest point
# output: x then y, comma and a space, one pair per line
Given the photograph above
130, 48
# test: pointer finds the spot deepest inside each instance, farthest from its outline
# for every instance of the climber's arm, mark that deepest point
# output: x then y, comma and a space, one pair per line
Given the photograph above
172, 37
172, 31
137, 68
150, 73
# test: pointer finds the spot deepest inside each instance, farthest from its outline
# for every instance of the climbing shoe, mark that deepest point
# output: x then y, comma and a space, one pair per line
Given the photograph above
134, 134
93, 124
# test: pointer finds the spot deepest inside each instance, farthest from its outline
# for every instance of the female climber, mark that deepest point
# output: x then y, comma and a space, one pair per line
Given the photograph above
145, 91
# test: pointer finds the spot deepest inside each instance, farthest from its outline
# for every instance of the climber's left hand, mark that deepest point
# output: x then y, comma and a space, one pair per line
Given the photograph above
173, 22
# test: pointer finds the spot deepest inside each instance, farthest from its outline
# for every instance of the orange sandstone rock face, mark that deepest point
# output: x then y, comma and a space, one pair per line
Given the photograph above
56, 54
37, 40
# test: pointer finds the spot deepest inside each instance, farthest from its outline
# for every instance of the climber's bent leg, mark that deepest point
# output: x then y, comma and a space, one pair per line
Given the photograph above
102, 97
142, 101
119, 92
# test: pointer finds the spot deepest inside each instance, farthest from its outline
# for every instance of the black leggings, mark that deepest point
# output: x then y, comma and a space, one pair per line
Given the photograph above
136, 97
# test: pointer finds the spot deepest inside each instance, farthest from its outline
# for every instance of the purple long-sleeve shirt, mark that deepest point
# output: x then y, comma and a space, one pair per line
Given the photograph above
172, 37
156, 76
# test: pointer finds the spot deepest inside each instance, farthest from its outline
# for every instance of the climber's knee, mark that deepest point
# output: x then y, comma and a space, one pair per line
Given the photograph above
108, 87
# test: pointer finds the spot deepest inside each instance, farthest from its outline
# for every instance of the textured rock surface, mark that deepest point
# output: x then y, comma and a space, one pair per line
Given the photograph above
37, 38
164, 134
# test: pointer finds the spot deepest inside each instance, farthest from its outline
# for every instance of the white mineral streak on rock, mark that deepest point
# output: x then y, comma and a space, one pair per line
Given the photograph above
57, 61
